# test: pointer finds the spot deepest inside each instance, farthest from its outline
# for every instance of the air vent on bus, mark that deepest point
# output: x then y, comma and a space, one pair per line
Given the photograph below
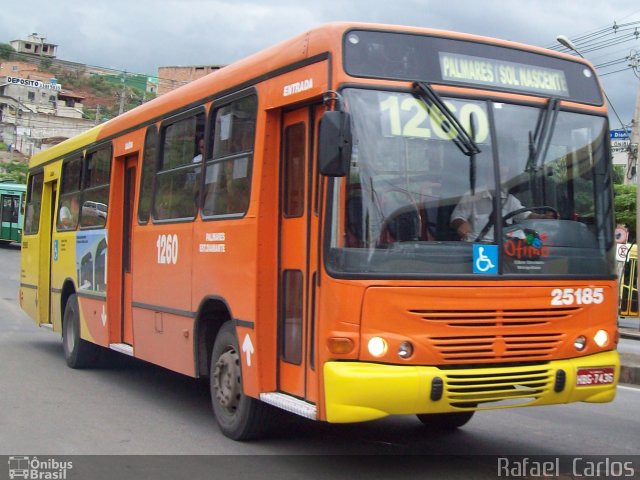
466, 391
509, 347
496, 318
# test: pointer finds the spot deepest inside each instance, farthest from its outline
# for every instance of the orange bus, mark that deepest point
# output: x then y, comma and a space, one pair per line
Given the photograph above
290, 227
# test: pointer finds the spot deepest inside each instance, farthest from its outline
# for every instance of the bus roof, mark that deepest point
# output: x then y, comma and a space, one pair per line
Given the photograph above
11, 185
248, 71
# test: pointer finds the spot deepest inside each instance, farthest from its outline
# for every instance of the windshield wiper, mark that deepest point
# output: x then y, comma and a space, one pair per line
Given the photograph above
462, 140
540, 140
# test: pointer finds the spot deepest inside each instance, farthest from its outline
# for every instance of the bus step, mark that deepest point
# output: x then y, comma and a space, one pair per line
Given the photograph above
122, 348
290, 404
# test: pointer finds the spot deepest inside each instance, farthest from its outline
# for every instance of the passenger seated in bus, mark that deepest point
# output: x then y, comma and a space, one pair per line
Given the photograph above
68, 214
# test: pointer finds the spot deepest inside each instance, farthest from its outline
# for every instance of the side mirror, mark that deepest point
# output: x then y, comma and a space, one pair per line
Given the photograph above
334, 144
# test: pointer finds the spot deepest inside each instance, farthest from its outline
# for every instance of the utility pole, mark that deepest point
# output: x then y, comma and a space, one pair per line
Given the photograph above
122, 94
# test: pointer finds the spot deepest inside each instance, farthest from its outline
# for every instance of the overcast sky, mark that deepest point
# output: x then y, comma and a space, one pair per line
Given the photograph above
141, 35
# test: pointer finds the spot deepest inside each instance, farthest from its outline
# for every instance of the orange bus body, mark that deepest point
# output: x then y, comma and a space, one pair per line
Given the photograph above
186, 278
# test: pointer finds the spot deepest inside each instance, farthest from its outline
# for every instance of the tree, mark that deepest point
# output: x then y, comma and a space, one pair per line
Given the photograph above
618, 174
625, 208
14, 171
6, 51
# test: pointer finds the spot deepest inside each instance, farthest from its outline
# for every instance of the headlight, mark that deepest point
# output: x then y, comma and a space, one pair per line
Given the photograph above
377, 346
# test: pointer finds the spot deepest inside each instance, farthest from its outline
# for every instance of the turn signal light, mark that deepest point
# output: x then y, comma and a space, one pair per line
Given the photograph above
340, 345
601, 338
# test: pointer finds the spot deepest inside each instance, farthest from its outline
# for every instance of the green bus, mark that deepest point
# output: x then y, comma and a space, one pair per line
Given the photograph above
12, 197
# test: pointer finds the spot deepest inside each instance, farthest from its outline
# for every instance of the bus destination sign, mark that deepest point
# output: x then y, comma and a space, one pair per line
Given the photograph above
502, 74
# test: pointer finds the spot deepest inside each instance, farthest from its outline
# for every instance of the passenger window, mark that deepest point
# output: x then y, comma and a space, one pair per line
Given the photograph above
96, 188
69, 204
34, 203
148, 174
178, 179
228, 170
294, 185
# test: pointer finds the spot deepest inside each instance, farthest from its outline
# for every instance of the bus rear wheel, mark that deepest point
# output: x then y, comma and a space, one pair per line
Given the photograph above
445, 421
239, 416
77, 352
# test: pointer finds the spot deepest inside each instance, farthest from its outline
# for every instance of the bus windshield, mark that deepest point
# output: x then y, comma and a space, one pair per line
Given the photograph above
545, 170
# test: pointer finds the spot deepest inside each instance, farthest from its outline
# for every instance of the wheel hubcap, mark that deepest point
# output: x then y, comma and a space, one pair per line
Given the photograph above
227, 380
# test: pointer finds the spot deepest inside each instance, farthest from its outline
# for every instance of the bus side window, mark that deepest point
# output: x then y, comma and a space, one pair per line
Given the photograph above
228, 171
69, 202
34, 202
96, 188
177, 181
148, 173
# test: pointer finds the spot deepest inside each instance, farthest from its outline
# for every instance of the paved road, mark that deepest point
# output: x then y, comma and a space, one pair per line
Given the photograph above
136, 408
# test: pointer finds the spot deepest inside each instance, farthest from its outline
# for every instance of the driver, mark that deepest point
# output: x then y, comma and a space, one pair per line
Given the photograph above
472, 215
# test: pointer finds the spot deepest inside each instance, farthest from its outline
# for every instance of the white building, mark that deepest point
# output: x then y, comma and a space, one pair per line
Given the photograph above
34, 106
35, 45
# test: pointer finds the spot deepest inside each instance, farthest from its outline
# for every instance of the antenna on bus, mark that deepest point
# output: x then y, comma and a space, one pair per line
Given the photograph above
331, 98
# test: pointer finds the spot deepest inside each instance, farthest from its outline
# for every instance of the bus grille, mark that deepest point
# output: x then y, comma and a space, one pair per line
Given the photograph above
490, 390
495, 335
496, 318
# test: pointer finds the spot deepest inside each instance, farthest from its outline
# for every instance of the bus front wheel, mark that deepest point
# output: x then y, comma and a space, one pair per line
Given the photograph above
445, 421
239, 416
77, 352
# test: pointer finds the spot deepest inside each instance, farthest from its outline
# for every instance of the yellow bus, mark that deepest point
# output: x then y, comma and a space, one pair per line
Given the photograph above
629, 285
364, 220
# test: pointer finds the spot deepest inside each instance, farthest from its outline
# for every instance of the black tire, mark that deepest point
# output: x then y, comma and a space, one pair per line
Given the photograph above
77, 352
445, 421
240, 417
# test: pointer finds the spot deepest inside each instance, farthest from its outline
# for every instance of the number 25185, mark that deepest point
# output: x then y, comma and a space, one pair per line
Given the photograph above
578, 296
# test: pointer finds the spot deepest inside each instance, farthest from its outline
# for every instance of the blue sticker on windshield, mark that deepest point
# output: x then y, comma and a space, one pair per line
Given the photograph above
485, 258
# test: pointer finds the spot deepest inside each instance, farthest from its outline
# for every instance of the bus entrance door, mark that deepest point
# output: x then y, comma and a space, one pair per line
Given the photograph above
297, 246
9, 205
127, 282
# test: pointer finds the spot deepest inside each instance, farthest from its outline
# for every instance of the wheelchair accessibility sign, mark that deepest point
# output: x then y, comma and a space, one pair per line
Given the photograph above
485, 258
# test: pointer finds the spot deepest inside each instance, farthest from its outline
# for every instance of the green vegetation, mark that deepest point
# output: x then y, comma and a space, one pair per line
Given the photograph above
14, 171
625, 208
6, 51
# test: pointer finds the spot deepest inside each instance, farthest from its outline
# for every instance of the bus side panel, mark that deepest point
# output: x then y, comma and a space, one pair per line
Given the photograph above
164, 339
29, 267
224, 252
163, 318
63, 267
90, 276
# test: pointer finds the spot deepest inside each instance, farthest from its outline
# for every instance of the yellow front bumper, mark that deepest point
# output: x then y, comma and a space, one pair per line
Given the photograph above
356, 392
